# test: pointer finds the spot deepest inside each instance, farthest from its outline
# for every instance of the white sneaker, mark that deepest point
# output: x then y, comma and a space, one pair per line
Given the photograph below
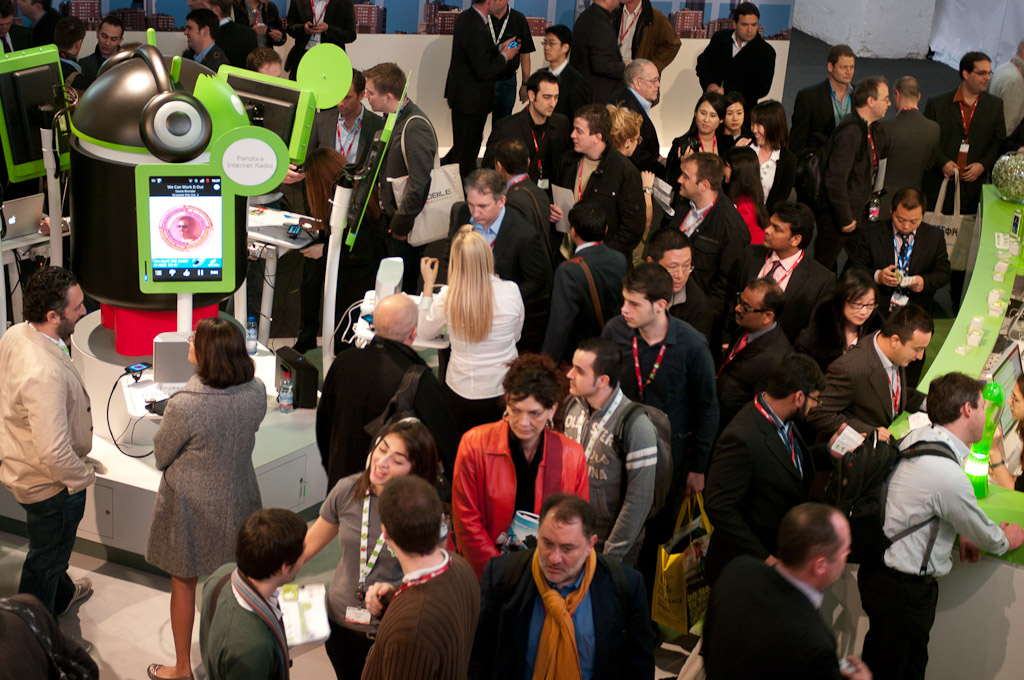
83, 589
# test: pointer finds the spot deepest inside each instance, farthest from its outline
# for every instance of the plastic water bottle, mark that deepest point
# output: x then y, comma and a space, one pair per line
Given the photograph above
285, 395
250, 335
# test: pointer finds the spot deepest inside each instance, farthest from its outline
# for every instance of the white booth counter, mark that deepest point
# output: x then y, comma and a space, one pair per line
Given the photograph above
119, 505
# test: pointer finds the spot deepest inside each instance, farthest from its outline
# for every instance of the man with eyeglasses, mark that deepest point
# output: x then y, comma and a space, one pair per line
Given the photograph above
640, 92
972, 130
758, 346
761, 467
573, 88
673, 251
782, 257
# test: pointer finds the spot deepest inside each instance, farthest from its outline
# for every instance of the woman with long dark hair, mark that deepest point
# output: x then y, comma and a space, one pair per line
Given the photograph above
743, 179
204, 449
350, 513
735, 124
705, 134
839, 323
771, 142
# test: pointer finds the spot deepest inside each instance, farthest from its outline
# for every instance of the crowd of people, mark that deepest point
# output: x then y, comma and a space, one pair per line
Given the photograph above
507, 523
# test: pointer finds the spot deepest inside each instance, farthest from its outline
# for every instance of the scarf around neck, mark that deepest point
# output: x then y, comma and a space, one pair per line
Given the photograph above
557, 656
262, 609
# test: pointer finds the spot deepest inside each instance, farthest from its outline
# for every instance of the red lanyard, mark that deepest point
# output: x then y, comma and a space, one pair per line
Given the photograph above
894, 392
714, 143
967, 119
536, 148
874, 155
788, 271
516, 181
312, 8
780, 427
624, 32
355, 136
640, 383
579, 183
424, 579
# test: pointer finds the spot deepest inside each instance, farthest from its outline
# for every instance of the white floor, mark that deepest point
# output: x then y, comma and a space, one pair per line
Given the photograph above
127, 621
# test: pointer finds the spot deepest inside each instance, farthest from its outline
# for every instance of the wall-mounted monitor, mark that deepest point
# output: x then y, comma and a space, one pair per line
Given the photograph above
31, 92
276, 104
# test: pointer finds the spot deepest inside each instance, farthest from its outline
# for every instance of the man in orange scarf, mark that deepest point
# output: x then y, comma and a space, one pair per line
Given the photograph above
561, 610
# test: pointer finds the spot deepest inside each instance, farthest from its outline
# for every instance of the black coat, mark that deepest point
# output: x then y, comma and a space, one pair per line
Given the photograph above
785, 179
751, 484
718, 244
573, 317
595, 52
913, 148
520, 126
813, 117
750, 72
673, 161
268, 14
237, 40
476, 64
519, 253
21, 37
738, 380
573, 91
808, 285
850, 169
623, 641
356, 391
324, 132
42, 30
647, 152
534, 205
695, 311
340, 18
615, 187
215, 58
783, 635
988, 130
875, 250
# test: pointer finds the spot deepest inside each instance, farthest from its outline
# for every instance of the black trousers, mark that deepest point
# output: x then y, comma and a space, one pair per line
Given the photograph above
410, 261
472, 412
901, 611
829, 242
347, 651
467, 136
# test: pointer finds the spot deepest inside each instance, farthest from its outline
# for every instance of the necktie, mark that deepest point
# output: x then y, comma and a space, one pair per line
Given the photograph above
904, 245
735, 350
775, 267
787, 434
7, 45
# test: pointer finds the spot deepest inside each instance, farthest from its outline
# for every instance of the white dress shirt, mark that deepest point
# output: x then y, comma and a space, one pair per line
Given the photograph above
475, 371
768, 170
784, 273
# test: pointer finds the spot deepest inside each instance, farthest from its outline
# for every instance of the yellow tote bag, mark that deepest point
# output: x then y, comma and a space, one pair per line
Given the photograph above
680, 590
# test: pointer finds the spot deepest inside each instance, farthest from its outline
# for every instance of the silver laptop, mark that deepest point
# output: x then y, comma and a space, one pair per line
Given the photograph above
22, 216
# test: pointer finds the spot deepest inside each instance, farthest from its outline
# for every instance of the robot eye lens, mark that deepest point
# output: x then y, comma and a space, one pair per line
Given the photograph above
178, 123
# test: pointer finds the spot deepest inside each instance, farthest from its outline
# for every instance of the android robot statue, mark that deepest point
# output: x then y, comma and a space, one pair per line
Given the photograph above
976, 466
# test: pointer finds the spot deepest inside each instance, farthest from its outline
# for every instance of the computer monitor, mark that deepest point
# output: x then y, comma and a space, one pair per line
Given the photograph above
1006, 374
279, 105
31, 92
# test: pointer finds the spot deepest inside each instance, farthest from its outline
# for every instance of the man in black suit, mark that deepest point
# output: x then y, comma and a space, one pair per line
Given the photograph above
588, 288
613, 640
738, 60
867, 387
201, 31
715, 228
641, 91
906, 257
543, 132
108, 42
505, 22
595, 53
333, 21
13, 37
761, 467
763, 620
594, 171
819, 108
237, 40
783, 258
44, 20
511, 160
519, 253
348, 128
475, 66
573, 88
913, 143
858, 145
673, 251
758, 346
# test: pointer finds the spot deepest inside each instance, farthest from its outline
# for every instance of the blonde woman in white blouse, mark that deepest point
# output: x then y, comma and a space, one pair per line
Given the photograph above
484, 316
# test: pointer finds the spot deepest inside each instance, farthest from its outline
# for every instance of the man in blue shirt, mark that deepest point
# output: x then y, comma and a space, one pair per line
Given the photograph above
520, 626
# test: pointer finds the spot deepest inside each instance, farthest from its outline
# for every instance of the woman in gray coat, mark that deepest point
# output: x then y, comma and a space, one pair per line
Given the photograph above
204, 448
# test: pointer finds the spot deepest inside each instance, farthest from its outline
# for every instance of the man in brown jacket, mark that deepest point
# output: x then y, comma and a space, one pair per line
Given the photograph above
46, 433
645, 33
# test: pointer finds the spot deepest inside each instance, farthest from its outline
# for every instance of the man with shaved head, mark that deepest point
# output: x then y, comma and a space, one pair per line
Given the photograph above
362, 382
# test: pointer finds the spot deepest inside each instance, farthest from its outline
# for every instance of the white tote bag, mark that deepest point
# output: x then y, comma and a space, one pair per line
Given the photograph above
959, 229
445, 191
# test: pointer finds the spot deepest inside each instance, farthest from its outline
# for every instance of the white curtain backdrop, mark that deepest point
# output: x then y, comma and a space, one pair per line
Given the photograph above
991, 26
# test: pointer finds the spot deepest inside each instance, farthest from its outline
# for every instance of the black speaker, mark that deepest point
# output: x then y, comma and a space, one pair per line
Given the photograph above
305, 376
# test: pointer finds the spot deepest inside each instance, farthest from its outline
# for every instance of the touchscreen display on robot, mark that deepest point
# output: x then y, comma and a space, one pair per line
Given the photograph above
186, 228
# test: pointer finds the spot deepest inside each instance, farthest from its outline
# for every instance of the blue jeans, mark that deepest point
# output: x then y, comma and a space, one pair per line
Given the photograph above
504, 99
52, 525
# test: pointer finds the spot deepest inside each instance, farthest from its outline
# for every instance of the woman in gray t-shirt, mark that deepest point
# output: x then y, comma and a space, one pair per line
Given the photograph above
350, 513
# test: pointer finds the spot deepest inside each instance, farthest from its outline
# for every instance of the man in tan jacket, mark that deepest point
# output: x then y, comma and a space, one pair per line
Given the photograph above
45, 434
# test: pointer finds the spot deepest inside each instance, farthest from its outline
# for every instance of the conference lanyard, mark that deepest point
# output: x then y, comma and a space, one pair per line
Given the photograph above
785, 434
902, 263
840, 110
536, 148
579, 183
516, 181
490, 25
640, 383
254, 12
788, 271
967, 118
894, 391
318, 20
874, 154
423, 579
595, 434
623, 32
714, 144
366, 564
352, 135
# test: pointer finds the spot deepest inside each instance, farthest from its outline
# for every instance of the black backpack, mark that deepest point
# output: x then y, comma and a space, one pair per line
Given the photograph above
401, 404
663, 470
859, 487
810, 176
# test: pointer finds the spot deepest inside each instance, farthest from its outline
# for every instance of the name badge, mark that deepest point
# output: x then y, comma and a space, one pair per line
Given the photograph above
965, 147
357, 615
898, 299
544, 184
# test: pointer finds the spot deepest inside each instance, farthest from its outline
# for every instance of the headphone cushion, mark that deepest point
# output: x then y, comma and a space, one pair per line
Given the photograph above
175, 127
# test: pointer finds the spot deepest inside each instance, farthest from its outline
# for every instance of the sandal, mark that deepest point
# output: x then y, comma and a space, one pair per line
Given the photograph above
154, 667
